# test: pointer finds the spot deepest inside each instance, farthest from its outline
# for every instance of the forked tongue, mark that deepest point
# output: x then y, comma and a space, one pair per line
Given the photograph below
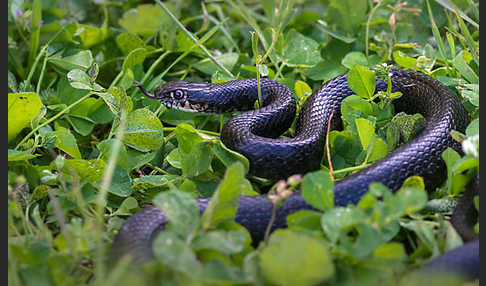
137, 84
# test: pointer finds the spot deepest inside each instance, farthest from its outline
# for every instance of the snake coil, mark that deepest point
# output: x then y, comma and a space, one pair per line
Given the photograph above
255, 135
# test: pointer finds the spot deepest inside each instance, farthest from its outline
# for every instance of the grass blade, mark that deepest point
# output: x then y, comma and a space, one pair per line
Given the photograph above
199, 43
35, 30
192, 37
451, 7
469, 40
438, 39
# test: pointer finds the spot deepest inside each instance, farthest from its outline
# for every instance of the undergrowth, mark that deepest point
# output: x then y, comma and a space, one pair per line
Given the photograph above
86, 149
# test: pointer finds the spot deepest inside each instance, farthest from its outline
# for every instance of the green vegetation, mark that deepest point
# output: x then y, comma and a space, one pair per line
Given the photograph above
86, 149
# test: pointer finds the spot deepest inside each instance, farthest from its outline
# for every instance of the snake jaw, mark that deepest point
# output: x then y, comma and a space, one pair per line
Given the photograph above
189, 107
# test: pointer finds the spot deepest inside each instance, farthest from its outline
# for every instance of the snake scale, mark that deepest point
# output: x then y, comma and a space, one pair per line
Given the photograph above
255, 134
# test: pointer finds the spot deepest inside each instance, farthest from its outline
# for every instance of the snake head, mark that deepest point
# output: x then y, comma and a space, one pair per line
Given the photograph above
185, 96
172, 94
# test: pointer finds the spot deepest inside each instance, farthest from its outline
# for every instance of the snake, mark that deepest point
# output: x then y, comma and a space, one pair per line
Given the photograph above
256, 134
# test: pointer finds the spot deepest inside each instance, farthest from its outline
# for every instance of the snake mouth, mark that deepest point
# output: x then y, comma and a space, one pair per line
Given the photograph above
188, 106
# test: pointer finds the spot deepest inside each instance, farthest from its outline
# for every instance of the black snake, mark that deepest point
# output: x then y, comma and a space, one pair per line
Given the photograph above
255, 134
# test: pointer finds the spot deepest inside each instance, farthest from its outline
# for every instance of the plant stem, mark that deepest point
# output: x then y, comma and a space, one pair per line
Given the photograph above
151, 70
37, 59
168, 129
328, 152
117, 78
34, 66
367, 32
270, 223
158, 169
52, 119
350, 169
192, 37
35, 29
101, 200
153, 66
43, 69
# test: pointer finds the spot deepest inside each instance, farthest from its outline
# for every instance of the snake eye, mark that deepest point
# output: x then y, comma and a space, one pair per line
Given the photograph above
178, 94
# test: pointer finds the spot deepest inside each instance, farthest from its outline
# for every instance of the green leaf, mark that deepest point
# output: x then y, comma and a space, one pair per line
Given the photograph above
295, 259
318, 190
380, 150
354, 58
176, 117
462, 66
68, 94
222, 77
227, 156
302, 90
366, 131
325, 70
410, 125
198, 160
181, 210
425, 233
60, 267
143, 131
336, 219
120, 183
67, 143
79, 79
15, 155
185, 44
300, 50
91, 36
12, 82
224, 201
128, 42
414, 182
352, 103
347, 14
227, 242
81, 124
127, 158
135, 57
390, 251
406, 200
304, 219
362, 81
336, 34
145, 20
72, 59
367, 240
403, 60
463, 164
80, 116
207, 66
91, 171
127, 207
216, 272
153, 181
471, 93
32, 253
392, 135
187, 137
473, 128
22, 108
175, 254
99, 111
450, 157
174, 158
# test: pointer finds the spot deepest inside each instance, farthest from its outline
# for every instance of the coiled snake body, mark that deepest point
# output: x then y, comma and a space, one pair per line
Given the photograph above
254, 134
